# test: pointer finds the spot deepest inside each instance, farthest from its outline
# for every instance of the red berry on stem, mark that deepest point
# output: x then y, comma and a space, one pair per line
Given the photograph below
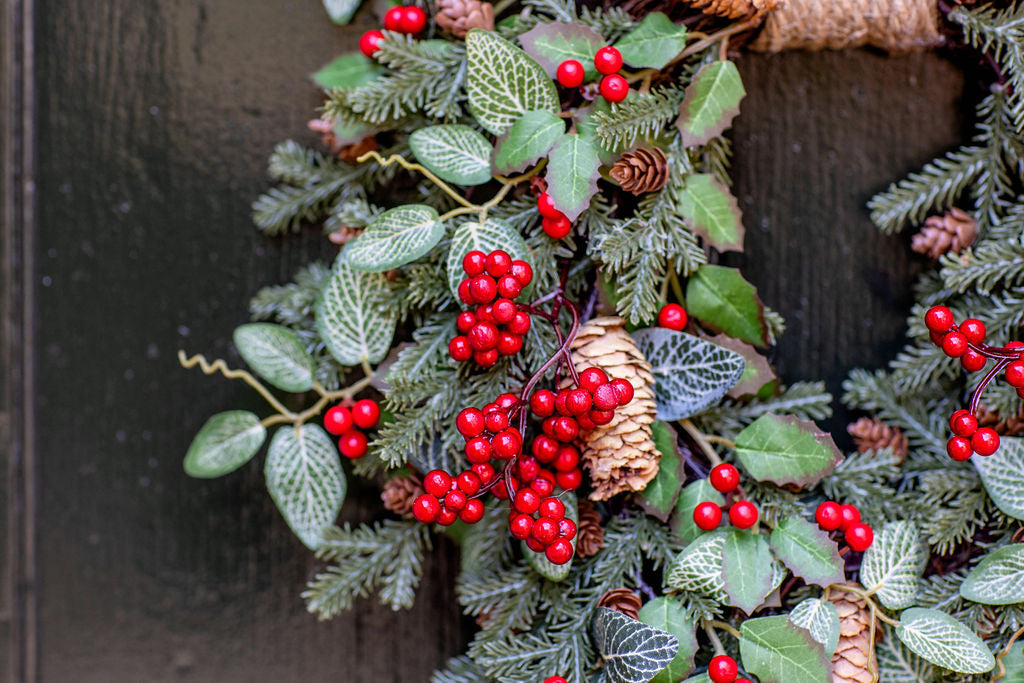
972, 361
963, 423
338, 420
483, 337
455, 500
509, 287
465, 321
556, 228
606, 397
465, 296
566, 528
469, 483
437, 483
484, 471
520, 526
829, 516
370, 42
544, 448
528, 468
483, 289
725, 478
546, 206
414, 20
459, 349
624, 389
567, 460
938, 319
542, 403
544, 484
509, 344
473, 512
474, 262
722, 669
495, 421
447, 517
586, 424
534, 545
520, 324
522, 272
366, 413
973, 330
552, 508
578, 401
469, 422
486, 359
352, 444
954, 344
592, 378
559, 552
425, 508
608, 60
959, 448
672, 316
498, 262
743, 514
570, 74
506, 401
859, 537
526, 501
503, 311
985, 441
393, 18
545, 530
614, 88
1015, 374
850, 515
707, 516
570, 481
555, 679
566, 429
506, 443
601, 417
478, 450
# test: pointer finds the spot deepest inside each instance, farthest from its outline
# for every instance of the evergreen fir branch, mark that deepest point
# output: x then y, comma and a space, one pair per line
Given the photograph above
506, 599
287, 207
773, 503
559, 10
291, 303
486, 547
632, 260
897, 663
716, 158
611, 22
806, 400
1011, 224
413, 428
775, 323
956, 504
991, 264
387, 555
1000, 32
922, 421
460, 669
294, 164
351, 212
639, 117
917, 367
864, 480
529, 657
942, 591
423, 362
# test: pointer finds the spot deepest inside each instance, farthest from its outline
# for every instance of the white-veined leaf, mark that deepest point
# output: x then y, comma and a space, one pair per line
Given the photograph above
943, 640
341, 11
998, 579
633, 652
821, 619
454, 152
807, 551
350, 316
486, 237
396, 237
897, 664
778, 651
670, 616
787, 450
698, 568
893, 565
224, 443
1002, 473
276, 354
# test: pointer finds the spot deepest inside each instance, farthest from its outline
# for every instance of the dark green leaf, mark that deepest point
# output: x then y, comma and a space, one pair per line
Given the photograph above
276, 354
224, 443
653, 43
659, 497
711, 211
347, 71
693, 494
394, 238
807, 551
530, 138
725, 302
553, 43
746, 569
572, 174
669, 615
787, 450
633, 652
712, 101
777, 651
1013, 661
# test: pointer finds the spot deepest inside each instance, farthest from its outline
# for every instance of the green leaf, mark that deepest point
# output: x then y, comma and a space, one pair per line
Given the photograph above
821, 619
455, 153
693, 494
572, 174
725, 302
690, 374
712, 101
1002, 473
503, 83
224, 443
757, 373
1013, 661
698, 568
486, 237
998, 579
893, 565
394, 238
897, 664
943, 640
541, 564
807, 551
341, 11
711, 211
670, 616
553, 43
305, 479
777, 651
659, 497
746, 569
653, 43
787, 450
633, 652
347, 71
350, 317
276, 354
530, 138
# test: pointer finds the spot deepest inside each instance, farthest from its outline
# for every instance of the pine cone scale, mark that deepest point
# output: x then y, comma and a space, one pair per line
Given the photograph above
457, 17
642, 171
854, 659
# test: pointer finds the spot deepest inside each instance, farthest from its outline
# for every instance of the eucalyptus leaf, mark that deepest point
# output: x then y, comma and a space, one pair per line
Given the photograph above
746, 569
1002, 473
711, 211
347, 71
276, 354
712, 101
670, 616
394, 238
693, 494
224, 443
552, 43
541, 564
787, 450
725, 302
633, 652
486, 237
453, 152
698, 568
821, 619
943, 640
351, 318
654, 43
893, 565
659, 496
778, 651
807, 551
998, 579
572, 173
531, 137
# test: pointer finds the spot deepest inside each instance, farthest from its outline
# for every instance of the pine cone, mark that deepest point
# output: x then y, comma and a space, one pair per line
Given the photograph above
871, 434
854, 660
458, 16
1011, 426
645, 170
350, 153
589, 532
954, 231
344, 235
734, 8
622, 600
400, 493
621, 455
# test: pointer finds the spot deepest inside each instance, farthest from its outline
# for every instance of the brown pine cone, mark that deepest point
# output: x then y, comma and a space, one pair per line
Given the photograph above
854, 660
622, 600
458, 16
733, 8
1011, 426
871, 434
645, 170
350, 153
589, 532
344, 235
400, 493
954, 231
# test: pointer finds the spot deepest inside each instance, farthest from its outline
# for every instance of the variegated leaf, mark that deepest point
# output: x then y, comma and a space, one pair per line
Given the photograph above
998, 579
943, 640
350, 317
698, 568
1002, 473
632, 651
821, 619
394, 238
454, 152
276, 354
893, 565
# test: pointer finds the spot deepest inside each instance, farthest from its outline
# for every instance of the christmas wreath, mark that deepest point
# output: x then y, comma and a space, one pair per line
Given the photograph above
530, 342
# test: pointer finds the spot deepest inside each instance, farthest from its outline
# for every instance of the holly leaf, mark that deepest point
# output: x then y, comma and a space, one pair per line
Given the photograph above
224, 443
692, 495
454, 152
531, 137
943, 640
807, 551
654, 43
690, 374
503, 82
698, 568
552, 43
276, 354
821, 619
725, 302
670, 615
541, 564
712, 101
633, 652
893, 565
746, 569
1013, 662
787, 450
486, 237
572, 174
586, 127
305, 479
394, 238
711, 211
998, 579
347, 71
341, 11
1002, 473
350, 317
778, 651
658, 498
757, 373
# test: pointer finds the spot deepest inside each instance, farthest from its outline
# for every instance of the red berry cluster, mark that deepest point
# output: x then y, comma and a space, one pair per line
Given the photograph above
608, 61
549, 532
956, 341
742, 514
672, 316
591, 403
723, 669
496, 326
407, 19
347, 424
968, 438
449, 498
556, 224
832, 516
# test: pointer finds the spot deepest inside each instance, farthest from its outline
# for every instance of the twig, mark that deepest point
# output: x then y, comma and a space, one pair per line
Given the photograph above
701, 440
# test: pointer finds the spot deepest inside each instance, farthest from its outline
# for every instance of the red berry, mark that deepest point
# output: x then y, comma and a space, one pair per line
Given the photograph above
570, 481
1015, 374
606, 397
567, 460
499, 491
614, 88
601, 417
828, 516
437, 483
366, 413
624, 389
556, 228
352, 444
506, 401
559, 552
566, 429
425, 508
544, 448
672, 316
503, 311
474, 262
545, 530
938, 319
520, 324
586, 424
528, 468
486, 359
491, 407
483, 337
370, 42
469, 483
560, 398
850, 515
548, 425
498, 262
455, 500
566, 528
393, 19
592, 378
1014, 345
954, 344
527, 501
509, 287
465, 296
485, 313
707, 516
578, 401
534, 545
465, 321
495, 421
859, 537
555, 679
338, 420
520, 526
446, 517
414, 20
459, 349
725, 478
959, 448
509, 344
483, 289
743, 514
963, 423
552, 508
985, 441
522, 272
506, 443
470, 422
546, 206
972, 361
722, 669
570, 74
544, 484
484, 471
608, 60
973, 330
473, 512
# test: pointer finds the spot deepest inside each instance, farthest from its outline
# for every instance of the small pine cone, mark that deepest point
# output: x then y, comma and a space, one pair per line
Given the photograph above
458, 16
734, 8
871, 434
954, 231
854, 660
621, 455
622, 600
645, 170
400, 493
589, 532
350, 153
343, 235
1011, 426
